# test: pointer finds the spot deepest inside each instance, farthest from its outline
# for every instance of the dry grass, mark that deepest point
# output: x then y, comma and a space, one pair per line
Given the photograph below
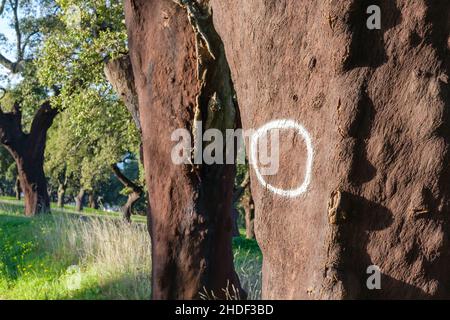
248, 267
115, 254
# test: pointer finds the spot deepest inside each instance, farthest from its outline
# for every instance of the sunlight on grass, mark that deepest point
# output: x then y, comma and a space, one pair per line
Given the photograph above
10, 204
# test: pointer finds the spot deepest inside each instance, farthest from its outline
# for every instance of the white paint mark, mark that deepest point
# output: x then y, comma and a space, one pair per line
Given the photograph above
283, 124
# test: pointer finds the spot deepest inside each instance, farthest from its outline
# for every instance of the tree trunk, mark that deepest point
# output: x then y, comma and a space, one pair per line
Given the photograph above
376, 191
235, 222
190, 221
61, 194
28, 153
237, 196
79, 200
17, 189
249, 217
119, 73
93, 203
135, 194
127, 209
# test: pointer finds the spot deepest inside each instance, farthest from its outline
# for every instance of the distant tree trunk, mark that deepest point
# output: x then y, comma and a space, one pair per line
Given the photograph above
28, 153
135, 192
249, 216
190, 206
17, 189
61, 194
93, 203
235, 222
79, 200
237, 196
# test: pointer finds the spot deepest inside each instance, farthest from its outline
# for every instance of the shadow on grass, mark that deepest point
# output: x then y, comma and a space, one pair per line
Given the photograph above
121, 288
16, 207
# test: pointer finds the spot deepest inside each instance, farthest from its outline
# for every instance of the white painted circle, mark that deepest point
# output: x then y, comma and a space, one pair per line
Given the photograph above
283, 124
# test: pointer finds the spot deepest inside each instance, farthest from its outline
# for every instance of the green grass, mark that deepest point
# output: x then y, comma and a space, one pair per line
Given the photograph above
63, 257
72, 256
10, 204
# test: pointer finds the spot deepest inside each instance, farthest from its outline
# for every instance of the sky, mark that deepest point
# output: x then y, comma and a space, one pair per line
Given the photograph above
9, 34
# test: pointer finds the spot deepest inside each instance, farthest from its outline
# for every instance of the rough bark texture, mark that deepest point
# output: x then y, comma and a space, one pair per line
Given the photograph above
135, 194
79, 200
190, 222
27, 149
376, 104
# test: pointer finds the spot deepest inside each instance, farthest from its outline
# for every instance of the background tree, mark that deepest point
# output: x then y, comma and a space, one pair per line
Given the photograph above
24, 136
243, 200
93, 38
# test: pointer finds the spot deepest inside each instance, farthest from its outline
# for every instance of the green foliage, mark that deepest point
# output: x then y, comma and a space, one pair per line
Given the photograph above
35, 19
95, 129
83, 159
73, 55
28, 92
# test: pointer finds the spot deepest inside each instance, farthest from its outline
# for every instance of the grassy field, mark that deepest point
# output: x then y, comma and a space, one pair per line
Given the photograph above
91, 256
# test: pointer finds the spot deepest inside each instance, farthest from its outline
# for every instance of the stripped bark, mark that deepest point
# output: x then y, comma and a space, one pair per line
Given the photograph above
182, 76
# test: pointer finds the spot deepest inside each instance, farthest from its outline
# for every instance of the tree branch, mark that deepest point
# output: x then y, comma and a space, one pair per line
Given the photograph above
42, 121
125, 181
119, 73
15, 9
8, 64
239, 190
11, 132
2, 6
27, 41
18, 66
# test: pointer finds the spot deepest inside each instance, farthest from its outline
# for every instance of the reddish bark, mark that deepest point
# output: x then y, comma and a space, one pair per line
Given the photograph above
190, 222
27, 149
376, 105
